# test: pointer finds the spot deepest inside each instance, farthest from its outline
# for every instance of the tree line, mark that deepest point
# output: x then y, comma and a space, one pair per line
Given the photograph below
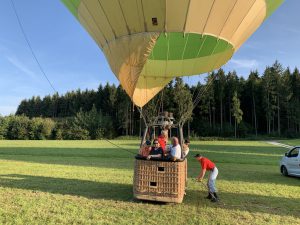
226, 105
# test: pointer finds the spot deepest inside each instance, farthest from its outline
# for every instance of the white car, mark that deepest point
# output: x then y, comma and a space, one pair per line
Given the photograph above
290, 162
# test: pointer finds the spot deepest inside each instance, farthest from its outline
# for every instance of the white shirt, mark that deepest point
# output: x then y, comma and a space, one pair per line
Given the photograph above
176, 151
186, 152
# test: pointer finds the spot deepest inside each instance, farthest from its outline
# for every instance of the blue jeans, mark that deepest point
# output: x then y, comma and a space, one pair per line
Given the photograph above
211, 183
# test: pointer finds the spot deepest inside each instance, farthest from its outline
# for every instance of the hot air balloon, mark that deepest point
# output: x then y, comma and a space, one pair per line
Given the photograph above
149, 42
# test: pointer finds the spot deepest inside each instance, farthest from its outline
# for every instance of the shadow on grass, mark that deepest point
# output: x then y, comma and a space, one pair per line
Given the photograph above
75, 187
234, 167
90, 157
68, 152
246, 202
97, 156
123, 192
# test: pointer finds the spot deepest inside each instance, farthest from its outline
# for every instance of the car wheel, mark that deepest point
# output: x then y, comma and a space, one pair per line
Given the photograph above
284, 171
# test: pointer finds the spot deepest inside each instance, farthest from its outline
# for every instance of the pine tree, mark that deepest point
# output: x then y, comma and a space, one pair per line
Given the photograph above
253, 83
236, 111
220, 81
277, 71
269, 97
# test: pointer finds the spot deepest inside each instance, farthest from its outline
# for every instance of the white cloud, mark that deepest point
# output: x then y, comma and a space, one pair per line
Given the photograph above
244, 63
19, 65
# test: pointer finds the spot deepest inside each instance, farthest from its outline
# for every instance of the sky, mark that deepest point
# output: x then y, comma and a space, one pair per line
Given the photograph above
72, 60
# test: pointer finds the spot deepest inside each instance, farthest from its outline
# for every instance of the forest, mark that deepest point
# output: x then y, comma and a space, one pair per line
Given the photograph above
225, 105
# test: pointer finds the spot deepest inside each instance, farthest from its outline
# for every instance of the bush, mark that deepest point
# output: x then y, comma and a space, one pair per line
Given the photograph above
77, 134
228, 130
18, 128
3, 127
243, 129
57, 133
41, 129
23, 128
291, 133
97, 125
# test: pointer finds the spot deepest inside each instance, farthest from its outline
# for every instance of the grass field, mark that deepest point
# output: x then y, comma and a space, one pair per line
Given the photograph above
90, 182
293, 142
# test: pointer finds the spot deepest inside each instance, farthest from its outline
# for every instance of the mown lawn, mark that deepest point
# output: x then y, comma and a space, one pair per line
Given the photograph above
90, 182
293, 142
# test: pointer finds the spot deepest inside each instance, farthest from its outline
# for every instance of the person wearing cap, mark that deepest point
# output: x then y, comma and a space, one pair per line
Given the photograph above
185, 148
156, 151
206, 164
145, 149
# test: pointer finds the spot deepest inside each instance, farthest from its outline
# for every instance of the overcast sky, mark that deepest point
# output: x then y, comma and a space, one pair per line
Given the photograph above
72, 60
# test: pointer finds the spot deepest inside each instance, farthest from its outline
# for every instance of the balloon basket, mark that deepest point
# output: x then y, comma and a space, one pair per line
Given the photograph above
162, 181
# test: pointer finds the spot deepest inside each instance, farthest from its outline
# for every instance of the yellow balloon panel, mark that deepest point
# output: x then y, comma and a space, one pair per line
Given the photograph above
147, 88
127, 56
175, 68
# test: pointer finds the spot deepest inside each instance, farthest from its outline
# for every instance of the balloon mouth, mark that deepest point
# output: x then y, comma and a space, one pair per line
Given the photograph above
142, 69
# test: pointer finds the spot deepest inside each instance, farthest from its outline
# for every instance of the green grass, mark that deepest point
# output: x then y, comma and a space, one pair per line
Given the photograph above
293, 142
90, 182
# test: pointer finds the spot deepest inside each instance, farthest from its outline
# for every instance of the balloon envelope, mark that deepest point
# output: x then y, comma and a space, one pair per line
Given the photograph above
149, 42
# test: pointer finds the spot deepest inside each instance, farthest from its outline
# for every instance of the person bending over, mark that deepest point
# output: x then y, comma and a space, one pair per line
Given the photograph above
206, 164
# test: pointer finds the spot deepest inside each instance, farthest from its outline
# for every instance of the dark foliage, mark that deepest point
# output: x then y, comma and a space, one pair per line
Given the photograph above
269, 104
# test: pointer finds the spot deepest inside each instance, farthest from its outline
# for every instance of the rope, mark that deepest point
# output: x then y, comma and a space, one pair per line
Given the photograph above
198, 94
160, 102
118, 146
30, 47
195, 86
142, 115
201, 92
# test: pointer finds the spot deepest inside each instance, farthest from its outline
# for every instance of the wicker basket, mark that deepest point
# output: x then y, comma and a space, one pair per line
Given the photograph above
159, 180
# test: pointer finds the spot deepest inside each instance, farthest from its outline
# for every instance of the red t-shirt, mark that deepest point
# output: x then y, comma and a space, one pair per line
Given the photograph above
206, 164
162, 142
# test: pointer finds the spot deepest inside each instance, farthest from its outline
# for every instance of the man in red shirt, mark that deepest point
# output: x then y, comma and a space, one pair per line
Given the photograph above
206, 164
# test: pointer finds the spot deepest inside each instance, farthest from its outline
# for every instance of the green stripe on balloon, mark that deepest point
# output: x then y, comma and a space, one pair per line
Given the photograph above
272, 5
176, 46
72, 5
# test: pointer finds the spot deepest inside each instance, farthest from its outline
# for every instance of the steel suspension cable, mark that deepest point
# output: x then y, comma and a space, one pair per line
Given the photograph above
118, 146
30, 47
201, 92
